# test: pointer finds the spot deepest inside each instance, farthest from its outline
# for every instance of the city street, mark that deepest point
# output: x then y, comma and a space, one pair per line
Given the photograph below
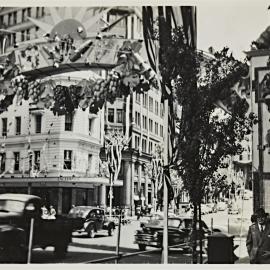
84, 249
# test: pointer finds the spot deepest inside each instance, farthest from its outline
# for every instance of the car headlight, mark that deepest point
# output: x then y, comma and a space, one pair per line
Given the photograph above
155, 234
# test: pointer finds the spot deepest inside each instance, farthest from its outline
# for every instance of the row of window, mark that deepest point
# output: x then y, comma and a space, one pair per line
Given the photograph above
22, 36
34, 160
144, 120
18, 125
159, 109
16, 17
38, 124
119, 115
144, 144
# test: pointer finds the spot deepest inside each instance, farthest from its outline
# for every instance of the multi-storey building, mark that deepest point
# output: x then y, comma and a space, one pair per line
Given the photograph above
63, 165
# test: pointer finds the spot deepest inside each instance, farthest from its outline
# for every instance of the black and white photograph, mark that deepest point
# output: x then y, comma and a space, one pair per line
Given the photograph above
135, 134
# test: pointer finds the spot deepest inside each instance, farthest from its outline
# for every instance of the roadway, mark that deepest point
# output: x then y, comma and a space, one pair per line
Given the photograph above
84, 249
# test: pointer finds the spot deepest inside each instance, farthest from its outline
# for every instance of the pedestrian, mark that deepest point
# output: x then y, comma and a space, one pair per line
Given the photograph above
258, 239
52, 214
44, 212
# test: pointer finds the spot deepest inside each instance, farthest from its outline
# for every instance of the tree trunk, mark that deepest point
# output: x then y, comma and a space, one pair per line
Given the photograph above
200, 234
194, 234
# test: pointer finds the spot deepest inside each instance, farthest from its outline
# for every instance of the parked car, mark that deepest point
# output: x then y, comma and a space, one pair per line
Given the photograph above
205, 209
90, 220
221, 206
235, 227
179, 232
212, 207
16, 211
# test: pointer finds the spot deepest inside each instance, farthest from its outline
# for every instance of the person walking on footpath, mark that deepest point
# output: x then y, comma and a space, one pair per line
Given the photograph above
258, 239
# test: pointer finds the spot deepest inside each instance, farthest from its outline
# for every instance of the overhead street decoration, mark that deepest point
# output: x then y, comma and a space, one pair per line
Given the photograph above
25, 74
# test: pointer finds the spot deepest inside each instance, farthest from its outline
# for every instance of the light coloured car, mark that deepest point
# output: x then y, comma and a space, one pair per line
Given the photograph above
221, 206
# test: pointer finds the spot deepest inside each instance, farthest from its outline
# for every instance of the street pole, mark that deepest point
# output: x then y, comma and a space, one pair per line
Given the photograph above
30, 240
111, 194
165, 191
118, 236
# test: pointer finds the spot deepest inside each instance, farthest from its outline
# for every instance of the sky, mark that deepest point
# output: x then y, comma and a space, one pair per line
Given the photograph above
231, 23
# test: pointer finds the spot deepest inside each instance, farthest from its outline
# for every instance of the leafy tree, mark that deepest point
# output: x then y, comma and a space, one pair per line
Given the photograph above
207, 135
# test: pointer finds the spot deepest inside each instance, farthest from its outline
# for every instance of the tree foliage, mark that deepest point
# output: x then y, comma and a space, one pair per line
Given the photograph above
207, 134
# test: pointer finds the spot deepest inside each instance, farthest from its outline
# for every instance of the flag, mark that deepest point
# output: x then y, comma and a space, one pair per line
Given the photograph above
167, 180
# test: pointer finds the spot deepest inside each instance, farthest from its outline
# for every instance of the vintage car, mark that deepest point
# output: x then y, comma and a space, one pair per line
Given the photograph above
16, 211
179, 232
90, 220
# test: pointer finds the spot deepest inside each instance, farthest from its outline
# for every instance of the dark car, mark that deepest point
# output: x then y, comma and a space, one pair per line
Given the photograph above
16, 211
179, 232
90, 220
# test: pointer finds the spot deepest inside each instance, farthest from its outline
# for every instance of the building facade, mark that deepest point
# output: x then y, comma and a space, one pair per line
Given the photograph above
57, 157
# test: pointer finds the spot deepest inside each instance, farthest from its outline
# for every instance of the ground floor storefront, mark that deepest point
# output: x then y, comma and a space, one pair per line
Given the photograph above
62, 195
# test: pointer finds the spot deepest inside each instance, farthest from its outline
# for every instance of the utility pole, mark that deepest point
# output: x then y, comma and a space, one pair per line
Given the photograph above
165, 191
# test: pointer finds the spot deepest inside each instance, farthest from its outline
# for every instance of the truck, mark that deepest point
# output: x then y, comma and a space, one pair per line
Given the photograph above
16, 213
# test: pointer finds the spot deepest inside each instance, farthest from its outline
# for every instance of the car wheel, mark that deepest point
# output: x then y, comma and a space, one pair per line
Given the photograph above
142, 247
111, 231
91, 232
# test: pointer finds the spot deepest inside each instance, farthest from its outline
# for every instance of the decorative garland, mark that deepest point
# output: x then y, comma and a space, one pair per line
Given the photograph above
131, 73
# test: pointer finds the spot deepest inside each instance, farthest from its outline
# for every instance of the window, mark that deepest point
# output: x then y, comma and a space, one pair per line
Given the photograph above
145, 100
18, 125
9, 19
37, 12
38, 123
138, 119
90, 160
156, 128
14, 38
2, 162
150, 104
136, 169
28, 34
22, 35
67, 159
144, 145
4, 127
29, 12
15, 17
90, 125
111, 115
151, 125
150, 147
137, 142
16, 161
36, 164
161, 110
161, 131
241, 157
119, 114
144, 122
136, 189
23, 15
42, 11
156, 107
138, 97
68, 122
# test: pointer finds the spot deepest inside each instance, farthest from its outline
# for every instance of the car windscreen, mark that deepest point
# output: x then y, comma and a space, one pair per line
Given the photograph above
78, 212
11, 206
174, 223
